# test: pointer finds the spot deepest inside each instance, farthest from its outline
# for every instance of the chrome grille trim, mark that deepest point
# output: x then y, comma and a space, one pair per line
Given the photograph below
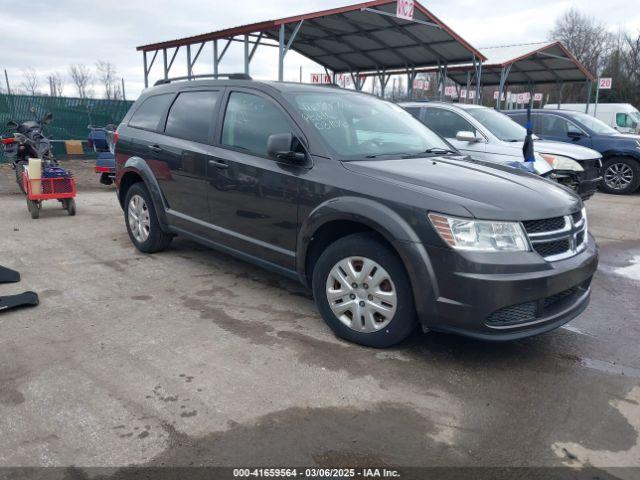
571, 232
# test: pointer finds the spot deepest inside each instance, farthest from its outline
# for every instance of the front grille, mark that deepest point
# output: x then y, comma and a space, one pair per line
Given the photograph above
546, 225
576, 217
558, 237
532, 311
549, 249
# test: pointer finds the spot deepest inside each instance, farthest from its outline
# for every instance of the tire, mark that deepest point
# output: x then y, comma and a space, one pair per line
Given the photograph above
19, 170
34, 209
146, 235
621, 176
373, 256
70, 206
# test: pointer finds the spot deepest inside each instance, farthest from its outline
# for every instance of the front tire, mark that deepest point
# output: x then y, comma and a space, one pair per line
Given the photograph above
363, 292
621, 176
142, 221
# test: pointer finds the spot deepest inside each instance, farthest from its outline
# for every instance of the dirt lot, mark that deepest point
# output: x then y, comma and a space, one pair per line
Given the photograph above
191, 357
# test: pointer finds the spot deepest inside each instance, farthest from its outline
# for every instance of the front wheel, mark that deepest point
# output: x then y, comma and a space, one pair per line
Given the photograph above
34, 208
363, 292
621, 176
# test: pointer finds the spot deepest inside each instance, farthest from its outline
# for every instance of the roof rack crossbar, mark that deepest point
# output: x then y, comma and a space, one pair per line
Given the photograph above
230, 76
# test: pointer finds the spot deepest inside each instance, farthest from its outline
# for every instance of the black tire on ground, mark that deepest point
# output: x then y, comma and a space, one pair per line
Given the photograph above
70, 206
157, 240
371, 247
616, 164
19, 169
34, 209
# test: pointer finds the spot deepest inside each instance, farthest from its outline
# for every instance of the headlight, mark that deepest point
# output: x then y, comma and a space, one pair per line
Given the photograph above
480, 235
559, 162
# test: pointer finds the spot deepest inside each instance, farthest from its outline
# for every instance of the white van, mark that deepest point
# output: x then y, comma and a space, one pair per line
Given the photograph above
624, 117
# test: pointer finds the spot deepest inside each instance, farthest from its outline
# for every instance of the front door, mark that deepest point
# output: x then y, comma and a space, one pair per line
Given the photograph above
448, 124
253, 198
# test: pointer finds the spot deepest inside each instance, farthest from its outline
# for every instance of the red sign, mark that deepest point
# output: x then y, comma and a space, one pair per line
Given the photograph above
537, 97
404, 9
320, 78
606, 83
450, 91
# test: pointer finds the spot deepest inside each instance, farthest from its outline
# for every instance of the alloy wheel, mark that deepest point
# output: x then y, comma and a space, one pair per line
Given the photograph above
618, 176
361, 294
139, 220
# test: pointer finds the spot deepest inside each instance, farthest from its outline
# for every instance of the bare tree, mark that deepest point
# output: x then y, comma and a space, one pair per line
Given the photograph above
57, 84
586, 37
82, 79
108, 77
30, 84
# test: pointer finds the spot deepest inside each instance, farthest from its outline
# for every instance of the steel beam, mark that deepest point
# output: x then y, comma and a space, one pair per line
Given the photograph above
146, 71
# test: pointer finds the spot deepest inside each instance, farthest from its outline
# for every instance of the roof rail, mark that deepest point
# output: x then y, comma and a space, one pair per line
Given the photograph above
230, 76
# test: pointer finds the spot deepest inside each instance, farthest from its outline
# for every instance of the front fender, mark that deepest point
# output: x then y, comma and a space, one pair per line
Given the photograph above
389, 225
138, 166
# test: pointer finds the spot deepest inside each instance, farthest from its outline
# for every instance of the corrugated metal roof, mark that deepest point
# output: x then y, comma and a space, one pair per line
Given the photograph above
362, 37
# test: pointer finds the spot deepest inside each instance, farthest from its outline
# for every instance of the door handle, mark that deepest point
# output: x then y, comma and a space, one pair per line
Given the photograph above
218, 164
155, 148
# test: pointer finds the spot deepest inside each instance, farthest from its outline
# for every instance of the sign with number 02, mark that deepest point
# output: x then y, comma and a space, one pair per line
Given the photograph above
405, 9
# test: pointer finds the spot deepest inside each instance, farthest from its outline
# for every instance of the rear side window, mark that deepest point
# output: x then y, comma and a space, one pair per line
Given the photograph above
520, 118
149, 114
191, 116
446, 123
250, 120
415, 111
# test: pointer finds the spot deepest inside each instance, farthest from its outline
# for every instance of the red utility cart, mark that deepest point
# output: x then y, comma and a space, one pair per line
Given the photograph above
61, 189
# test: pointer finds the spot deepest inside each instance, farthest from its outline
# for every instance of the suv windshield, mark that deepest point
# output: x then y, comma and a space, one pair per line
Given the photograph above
501, 126
593, 124
357, 126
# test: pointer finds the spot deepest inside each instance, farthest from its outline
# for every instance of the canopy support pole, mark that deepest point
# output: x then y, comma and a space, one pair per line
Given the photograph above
283, 48
504, 74
165, 64
411, 77
589, 87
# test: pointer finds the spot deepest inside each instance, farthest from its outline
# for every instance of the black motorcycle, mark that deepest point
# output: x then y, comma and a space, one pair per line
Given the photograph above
27, 141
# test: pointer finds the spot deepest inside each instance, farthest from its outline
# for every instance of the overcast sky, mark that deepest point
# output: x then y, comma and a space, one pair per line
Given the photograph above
51, 35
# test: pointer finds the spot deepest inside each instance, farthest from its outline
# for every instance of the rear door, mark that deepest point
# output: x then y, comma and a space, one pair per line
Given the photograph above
448, 123
182, 152
254, 198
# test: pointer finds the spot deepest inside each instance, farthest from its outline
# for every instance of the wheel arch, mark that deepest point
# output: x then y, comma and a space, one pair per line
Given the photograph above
136, 170
340, 217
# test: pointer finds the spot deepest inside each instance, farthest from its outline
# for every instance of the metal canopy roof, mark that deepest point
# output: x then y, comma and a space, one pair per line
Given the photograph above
532, 63
356, 38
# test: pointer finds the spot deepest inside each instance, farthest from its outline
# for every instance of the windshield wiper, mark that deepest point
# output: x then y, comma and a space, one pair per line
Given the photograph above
441, 151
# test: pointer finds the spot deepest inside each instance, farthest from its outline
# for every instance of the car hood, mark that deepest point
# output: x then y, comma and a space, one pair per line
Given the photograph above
576, 152
485, 190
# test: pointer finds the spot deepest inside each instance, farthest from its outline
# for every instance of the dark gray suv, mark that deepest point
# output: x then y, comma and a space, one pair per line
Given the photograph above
388, 224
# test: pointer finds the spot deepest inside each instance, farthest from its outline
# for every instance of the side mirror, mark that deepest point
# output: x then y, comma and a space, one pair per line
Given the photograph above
575, 135
12, 124
464, 136
48, 118
280, 146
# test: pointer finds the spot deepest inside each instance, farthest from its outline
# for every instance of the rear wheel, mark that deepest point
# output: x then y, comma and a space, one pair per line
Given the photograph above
363, 292
19, 170
142, 221
621, 176
69, 204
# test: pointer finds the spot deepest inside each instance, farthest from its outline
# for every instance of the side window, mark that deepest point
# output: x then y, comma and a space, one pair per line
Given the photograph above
250, 120
571, 128
522, 119
446, 123
552, 125
415, 111
191, 116
625, 121
149, 114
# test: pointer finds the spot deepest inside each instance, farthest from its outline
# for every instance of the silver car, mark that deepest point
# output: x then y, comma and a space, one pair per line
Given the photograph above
486, 134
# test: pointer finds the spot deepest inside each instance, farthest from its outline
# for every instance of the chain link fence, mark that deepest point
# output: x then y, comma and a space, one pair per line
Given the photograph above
71, 116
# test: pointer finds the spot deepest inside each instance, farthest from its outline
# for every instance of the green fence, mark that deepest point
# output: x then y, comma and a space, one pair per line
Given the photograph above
71, 116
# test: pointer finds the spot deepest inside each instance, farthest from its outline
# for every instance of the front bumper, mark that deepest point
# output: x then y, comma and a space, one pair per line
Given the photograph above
583, 183
506, 296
